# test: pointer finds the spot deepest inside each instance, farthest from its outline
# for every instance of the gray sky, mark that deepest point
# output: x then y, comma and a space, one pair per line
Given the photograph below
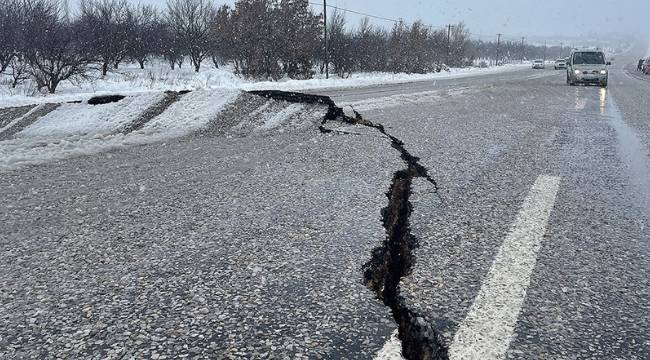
514, 18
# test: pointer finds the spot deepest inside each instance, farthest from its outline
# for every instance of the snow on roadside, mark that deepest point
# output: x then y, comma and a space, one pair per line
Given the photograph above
192, 112
368, 79
404, 99
129, 80
18, 119
86, 130
85, 120
274, 120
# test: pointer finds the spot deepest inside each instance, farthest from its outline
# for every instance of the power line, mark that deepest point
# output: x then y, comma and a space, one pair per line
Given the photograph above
476, 35
373, 16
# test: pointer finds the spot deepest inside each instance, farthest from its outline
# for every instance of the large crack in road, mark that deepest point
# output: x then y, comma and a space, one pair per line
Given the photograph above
394, 259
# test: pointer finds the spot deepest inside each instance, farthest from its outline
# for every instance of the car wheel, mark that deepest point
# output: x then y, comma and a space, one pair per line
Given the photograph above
603, 84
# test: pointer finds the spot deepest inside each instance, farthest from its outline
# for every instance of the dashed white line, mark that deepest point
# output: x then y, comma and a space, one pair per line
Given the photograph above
488, 328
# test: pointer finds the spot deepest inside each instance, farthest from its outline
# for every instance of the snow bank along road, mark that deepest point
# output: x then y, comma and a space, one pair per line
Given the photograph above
496, 217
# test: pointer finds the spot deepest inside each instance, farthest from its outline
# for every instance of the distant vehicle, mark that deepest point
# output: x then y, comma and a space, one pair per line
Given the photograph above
538, 64
560, 64
587, 67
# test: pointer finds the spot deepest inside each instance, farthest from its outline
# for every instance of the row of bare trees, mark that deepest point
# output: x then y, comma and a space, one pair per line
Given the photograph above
43, 41
408, 48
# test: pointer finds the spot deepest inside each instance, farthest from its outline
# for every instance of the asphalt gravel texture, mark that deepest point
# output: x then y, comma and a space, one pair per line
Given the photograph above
243, 244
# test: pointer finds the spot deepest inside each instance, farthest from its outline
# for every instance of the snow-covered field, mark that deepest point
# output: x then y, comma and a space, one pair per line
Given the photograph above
130, 79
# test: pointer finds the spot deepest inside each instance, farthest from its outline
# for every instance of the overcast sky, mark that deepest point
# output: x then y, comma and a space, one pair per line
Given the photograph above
514, 18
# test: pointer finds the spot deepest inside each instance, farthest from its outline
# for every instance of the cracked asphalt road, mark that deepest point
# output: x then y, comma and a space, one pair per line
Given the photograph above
252, 247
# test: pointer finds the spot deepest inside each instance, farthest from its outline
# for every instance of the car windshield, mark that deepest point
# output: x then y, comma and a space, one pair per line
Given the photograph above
588, 58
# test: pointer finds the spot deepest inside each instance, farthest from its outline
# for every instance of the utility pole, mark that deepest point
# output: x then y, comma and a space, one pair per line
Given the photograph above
523, 49
544, 51
498, 47
327, 50
448, 43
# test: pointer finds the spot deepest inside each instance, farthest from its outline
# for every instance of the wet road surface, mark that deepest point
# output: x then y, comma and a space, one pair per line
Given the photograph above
534, 245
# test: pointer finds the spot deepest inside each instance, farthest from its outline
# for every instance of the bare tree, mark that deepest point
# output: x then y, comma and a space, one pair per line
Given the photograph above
144, 25
169, 46
103, 24
18, 70
222, 37
50, 45
190, 21
9, 28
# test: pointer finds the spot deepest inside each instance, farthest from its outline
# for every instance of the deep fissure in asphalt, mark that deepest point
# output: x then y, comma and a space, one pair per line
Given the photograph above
105, 99
394, 259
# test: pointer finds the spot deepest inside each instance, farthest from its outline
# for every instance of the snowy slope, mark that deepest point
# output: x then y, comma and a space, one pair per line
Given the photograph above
82, 129
193, 111
85, 120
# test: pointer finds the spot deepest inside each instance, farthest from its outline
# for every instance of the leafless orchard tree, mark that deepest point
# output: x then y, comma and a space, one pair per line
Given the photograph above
103, 26
19, 70
144, 33
222, 36
9, 28
50, 45
267, 39
190, 22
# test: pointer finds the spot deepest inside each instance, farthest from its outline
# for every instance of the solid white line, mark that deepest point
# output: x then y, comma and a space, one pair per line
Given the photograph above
392, 349
488, 327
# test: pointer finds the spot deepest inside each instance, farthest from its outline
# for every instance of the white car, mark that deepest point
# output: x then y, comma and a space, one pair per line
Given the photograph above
538, 64
560, 64
587, 67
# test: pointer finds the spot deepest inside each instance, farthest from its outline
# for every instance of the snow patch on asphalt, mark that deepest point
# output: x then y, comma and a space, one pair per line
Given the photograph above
392, 350
82, 129
85, 120
274, 120
18, 119
404, 99
192, 112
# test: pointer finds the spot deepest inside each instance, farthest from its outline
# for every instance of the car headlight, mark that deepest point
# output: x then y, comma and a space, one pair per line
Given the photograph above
577, 72
603, 72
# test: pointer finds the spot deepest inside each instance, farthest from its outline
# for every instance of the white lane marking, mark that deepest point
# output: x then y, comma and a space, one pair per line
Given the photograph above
488, 328
392, 349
